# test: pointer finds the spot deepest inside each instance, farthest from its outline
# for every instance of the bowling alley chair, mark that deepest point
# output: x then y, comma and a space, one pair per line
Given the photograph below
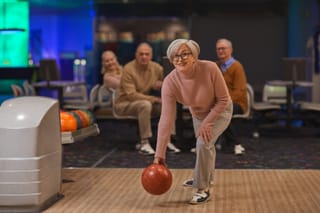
17, 90
274, 94
75, 94
312, 106
114, 113
259, 110
247, 114
104, 97
28, 89
310, 113
90, 104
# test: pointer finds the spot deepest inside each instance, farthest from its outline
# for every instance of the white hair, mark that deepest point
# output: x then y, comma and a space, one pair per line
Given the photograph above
175, 45
224, 40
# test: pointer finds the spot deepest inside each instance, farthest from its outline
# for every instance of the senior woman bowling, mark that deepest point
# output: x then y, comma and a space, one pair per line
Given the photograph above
199, 85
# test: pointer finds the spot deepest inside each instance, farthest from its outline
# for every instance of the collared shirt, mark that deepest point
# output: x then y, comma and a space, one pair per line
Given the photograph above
224, 66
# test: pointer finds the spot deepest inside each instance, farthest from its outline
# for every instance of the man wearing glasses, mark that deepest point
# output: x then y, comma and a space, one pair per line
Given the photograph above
236, 80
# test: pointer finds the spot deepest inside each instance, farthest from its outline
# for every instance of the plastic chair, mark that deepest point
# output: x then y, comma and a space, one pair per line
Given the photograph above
104, 96
29, 89
247, 114
17, 90
75, 94
274, 94
260, 106
259, 110
312, 106
90, 104
114, 113
310, 113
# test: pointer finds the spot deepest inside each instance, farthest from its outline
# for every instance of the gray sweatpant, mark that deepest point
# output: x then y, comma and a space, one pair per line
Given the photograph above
206, 152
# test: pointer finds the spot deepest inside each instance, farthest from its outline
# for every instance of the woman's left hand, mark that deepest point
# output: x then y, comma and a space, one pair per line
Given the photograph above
158, 160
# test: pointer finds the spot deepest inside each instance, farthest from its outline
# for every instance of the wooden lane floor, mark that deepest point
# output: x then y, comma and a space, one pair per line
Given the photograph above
117, 190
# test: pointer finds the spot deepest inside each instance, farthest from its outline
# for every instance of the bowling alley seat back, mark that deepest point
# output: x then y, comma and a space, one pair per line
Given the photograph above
6, 91
28, 89
17, 90
30, 153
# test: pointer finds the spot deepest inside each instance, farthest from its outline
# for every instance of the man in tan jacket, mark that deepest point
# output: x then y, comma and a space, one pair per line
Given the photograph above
140, 78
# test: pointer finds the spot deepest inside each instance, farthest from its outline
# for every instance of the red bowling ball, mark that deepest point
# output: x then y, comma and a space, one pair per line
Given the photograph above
156, 179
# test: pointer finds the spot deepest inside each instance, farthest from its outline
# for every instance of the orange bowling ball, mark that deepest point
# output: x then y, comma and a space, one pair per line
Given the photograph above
76, 116
90, 116
84, 121
67, 122
156, 179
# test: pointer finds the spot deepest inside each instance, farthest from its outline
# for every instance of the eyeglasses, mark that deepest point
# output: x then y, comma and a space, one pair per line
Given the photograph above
182, 56
222, 48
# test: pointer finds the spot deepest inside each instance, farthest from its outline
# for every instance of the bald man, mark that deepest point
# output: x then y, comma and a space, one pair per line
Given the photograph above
140, 77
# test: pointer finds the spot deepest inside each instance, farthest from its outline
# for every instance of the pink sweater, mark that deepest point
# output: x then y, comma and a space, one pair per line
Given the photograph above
203, 90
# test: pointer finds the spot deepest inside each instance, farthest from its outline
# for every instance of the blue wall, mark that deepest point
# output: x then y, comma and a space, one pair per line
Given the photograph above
61, 33
63, 37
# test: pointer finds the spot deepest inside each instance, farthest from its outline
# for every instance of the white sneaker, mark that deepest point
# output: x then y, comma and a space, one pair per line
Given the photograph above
193, 150
146, 149
242, 148
239, 149
173, 148
218, 146
200, 197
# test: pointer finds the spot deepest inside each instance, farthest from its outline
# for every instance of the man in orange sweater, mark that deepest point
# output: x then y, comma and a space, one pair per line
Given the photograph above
236, 80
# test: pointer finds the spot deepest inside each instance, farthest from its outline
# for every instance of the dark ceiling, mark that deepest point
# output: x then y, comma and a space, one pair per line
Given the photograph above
163, 7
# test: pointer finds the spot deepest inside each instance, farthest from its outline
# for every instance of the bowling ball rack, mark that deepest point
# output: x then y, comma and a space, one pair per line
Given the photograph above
80, 134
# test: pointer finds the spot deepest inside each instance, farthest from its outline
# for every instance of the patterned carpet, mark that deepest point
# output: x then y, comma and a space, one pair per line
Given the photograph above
277, 148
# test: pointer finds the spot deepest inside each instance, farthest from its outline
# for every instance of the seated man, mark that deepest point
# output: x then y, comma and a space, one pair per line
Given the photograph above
141, 76
236, 80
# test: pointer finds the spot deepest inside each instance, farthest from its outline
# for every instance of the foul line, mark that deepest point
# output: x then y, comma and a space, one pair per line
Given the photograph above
103, 158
